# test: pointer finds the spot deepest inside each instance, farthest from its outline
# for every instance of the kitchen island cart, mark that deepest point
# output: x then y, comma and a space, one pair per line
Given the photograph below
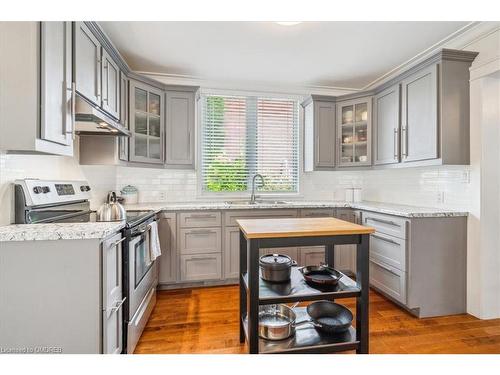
277, 233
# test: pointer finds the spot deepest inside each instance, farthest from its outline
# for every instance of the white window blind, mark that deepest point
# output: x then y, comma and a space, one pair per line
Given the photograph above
242, 136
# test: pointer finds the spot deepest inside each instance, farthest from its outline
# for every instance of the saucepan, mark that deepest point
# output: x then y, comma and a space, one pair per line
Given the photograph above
278, 321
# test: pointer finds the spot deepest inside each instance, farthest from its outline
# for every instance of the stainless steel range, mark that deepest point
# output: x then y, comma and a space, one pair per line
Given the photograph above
43, 201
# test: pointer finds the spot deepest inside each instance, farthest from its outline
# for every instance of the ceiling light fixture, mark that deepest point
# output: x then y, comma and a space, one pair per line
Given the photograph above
288, 23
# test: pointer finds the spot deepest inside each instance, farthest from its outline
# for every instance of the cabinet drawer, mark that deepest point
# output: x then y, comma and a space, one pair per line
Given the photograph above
311, 256
200, 240
391, 225
292, 252
389, 250
232, 216
199, 219
201, 267
389, 280
316, 212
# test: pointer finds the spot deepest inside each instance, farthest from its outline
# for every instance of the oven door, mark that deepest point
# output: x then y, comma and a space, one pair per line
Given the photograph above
141, 270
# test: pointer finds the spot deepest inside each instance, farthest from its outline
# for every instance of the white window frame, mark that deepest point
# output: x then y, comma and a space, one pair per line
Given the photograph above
203, 194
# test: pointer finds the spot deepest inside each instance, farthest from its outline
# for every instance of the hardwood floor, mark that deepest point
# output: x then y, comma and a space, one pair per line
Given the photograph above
205, 320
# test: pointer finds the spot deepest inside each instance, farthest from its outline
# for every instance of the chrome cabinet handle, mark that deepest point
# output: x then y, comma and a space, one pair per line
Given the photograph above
116, 243
73, 110
118, 305
385, 239
396, 144
404, 136
201, 231
202, 216
382, 221
384, 267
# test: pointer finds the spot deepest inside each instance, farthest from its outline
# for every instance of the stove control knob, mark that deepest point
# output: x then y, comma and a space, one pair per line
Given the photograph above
45, 189
37, 189
82, 188
87, 188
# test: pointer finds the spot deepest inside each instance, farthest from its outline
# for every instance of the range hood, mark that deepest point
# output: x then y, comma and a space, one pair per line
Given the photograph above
91, 120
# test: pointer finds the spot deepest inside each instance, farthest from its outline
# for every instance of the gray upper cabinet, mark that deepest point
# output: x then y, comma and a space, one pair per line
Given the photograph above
180, 128
386, 126
147, 114
124, 116
110, 74
419, 129
87, 63
56, 85
319, 134
354, 132
36, 97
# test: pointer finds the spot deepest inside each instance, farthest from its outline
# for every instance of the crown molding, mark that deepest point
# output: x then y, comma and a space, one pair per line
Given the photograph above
179, 79
459, 40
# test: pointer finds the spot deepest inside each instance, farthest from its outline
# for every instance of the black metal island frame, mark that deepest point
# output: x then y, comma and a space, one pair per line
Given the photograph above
274, 233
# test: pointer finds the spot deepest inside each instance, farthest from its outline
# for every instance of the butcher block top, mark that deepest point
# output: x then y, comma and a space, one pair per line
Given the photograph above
300, 227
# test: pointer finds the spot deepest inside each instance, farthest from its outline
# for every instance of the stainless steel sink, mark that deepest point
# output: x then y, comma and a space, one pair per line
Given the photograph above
246, 202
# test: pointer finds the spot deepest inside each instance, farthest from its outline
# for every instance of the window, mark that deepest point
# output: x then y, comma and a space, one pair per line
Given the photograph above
245, 135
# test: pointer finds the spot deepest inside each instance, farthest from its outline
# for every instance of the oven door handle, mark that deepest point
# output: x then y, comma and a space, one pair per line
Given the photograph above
141, 232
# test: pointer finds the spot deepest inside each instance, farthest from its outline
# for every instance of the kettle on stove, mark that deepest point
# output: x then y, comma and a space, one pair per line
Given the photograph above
111, 210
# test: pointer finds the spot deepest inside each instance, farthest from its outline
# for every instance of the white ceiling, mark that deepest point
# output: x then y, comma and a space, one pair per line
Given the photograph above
333, 54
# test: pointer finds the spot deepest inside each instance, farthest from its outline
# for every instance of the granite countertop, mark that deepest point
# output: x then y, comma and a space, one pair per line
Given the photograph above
100, 230
386, 208
59, 231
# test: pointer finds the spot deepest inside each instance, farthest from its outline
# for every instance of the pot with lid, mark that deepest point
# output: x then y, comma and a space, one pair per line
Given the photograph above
276, 268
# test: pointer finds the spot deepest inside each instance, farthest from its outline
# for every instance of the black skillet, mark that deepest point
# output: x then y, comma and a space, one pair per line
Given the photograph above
321, 275
329, 317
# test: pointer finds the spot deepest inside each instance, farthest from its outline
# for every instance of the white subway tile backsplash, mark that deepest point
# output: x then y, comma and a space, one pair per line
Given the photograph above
441, 187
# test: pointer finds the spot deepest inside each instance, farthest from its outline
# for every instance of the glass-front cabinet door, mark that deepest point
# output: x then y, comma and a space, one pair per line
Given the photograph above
354, 132
146, 123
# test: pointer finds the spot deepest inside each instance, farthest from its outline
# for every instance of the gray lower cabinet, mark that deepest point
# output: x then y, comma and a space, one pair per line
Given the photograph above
168, 265
112, 321
110, 74
232, 237
386, 126
231, 252
200, 240
419, 263
311, 256
419, 129
389, 280
345, 255
201, 267
147, 123
36, 97
87, 63
319, 134
180, 113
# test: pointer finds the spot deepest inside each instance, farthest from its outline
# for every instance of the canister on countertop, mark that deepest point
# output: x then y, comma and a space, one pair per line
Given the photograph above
130, 194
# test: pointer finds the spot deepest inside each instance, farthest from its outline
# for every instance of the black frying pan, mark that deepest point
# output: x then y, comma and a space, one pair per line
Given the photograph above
321, 275
329, 317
